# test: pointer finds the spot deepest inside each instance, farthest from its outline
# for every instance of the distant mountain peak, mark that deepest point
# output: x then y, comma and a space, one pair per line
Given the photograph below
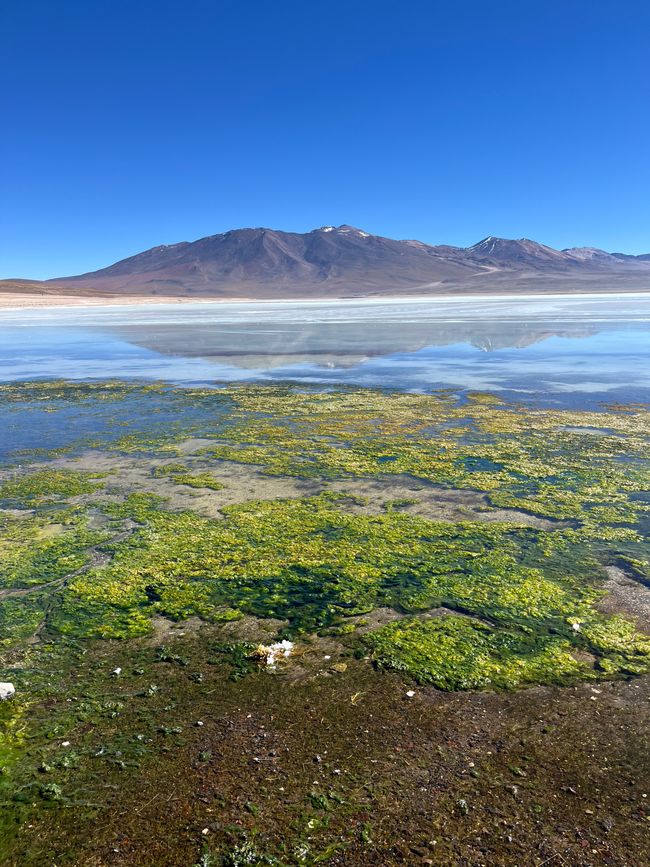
520, 252
341, 261
344, 229
494, 243
588, 253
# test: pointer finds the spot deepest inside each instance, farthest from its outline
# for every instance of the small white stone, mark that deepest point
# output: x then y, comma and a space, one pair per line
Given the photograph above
269, 652
205, 831
65, 744
7, 690
410, 693
117, 671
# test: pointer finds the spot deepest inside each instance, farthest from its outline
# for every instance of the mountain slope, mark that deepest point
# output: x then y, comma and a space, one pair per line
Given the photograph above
257, 259
344, 261
519, 254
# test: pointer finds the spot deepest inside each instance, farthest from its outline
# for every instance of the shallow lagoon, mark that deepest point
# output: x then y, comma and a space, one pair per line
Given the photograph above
465, 581
565, 349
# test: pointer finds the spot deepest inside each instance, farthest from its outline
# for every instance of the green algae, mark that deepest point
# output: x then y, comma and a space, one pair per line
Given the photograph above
638, 568
38, 549
20, 618
455, 653
43, 486
60, 391
520, 457
309, 561
179, 474
585, 466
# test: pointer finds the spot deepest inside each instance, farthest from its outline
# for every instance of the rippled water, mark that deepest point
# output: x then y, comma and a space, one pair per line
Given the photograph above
577, 349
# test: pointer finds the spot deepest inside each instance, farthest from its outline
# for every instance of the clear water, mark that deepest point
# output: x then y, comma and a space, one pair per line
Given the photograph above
560, 349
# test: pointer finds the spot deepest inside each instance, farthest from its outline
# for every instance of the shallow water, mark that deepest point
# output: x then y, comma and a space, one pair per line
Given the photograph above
407, 544
561, 349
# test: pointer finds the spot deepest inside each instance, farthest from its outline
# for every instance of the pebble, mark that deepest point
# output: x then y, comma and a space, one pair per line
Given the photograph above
7, 690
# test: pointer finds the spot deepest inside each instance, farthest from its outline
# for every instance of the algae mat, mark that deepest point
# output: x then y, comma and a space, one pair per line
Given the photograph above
156, 541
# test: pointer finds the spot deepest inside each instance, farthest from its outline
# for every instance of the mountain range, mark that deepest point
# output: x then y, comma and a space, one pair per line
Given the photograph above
343, 261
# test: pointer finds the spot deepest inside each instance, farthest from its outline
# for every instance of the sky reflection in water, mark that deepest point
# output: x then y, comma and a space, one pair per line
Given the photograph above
568, 349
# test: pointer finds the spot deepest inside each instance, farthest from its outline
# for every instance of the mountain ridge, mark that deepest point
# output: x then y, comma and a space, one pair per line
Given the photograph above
342, 261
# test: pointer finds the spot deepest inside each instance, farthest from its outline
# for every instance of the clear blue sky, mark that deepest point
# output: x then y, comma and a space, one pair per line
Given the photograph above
131, 123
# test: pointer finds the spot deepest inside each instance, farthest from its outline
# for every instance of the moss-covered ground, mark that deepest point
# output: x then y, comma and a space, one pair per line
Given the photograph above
132, 600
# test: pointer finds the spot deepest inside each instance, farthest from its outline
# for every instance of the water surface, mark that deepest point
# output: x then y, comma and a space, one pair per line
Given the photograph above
578, 349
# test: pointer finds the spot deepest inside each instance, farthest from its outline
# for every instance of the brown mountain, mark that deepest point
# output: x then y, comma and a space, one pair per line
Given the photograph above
264, 262
346, 261
521, 254
642, 257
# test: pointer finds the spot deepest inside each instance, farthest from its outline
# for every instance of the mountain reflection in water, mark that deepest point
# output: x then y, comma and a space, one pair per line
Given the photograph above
341, 344
579, 347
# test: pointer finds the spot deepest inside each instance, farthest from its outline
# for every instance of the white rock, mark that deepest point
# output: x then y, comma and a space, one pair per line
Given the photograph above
117, 671
6, 691
410, 693
270, 652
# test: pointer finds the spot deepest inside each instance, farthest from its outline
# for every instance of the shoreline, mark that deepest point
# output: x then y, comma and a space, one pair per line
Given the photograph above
17, 301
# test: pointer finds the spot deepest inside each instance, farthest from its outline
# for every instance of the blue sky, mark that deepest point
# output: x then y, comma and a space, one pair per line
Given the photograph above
131, 123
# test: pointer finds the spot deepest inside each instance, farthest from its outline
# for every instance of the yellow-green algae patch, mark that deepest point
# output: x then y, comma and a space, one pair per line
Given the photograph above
311, 563
30, 554
458, 653
47, 485
314, 563
535, 459
476, 605
179, 474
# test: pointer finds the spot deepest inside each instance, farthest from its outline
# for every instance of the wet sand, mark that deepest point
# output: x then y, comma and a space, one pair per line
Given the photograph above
245, 482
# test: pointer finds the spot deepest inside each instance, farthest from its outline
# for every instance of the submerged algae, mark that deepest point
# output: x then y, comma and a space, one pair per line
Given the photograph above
50, 485
460, 653
180, 475
39, 548
312, 562
479, 606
